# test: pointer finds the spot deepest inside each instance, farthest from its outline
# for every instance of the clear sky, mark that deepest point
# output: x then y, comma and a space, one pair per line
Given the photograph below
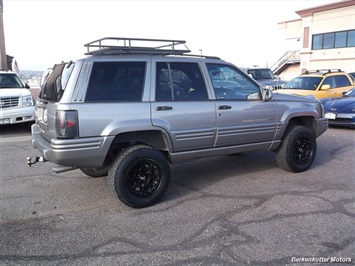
40, 33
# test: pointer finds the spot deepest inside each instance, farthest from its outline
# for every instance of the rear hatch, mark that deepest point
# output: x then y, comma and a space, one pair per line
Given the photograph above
51, 93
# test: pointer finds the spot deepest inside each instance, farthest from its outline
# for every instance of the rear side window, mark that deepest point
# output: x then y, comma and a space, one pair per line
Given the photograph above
337, 81
179, 82
116, 81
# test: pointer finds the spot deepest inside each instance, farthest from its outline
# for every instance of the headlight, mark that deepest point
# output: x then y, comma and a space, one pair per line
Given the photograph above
27, 101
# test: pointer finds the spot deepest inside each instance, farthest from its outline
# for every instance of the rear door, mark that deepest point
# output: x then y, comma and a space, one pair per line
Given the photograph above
181, 105
338, 84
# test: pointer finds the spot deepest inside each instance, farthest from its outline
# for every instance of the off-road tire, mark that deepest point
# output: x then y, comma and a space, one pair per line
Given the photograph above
298, 149
139, 176
96, 172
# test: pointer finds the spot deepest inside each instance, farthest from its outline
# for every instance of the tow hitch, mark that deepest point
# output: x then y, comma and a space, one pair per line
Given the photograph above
36, 160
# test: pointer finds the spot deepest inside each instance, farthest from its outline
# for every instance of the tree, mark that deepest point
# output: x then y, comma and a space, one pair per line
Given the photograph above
3, 62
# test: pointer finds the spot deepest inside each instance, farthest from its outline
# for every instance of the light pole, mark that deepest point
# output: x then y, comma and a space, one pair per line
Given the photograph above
200, 52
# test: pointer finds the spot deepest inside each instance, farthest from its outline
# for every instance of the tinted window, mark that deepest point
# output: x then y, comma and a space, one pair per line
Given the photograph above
179, 82
231, 84
52, 89
116, 81
342, 81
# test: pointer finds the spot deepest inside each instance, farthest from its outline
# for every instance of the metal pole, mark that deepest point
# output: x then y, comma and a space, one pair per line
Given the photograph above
3, 61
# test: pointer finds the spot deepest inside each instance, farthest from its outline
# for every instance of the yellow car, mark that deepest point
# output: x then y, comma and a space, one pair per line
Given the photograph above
324, 83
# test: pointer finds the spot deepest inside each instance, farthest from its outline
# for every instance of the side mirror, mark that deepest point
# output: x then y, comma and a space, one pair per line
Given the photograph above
27, 86
325, 87
267, 94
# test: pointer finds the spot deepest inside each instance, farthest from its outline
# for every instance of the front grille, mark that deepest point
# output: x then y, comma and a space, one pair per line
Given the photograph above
9, 102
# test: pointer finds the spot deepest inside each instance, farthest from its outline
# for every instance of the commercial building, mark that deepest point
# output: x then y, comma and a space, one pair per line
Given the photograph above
323, 38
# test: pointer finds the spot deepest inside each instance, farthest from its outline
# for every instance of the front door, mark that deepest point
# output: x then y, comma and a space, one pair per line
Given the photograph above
242, 116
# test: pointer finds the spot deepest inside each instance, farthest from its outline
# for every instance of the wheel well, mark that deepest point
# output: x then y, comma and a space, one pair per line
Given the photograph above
306, 121
152, 138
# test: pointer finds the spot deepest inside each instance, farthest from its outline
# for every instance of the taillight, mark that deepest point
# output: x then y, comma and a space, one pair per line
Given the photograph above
66, 124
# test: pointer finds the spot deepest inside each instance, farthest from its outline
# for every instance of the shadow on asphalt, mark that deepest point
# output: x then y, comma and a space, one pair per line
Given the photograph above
15, 129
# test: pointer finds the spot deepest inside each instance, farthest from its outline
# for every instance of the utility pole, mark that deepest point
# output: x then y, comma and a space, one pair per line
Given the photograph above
3, 61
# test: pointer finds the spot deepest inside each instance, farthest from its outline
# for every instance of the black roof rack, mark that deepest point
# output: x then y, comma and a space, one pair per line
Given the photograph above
129, 46
324, 71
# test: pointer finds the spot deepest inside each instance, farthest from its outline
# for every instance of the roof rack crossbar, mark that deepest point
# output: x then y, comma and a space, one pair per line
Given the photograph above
325, 70
107, 45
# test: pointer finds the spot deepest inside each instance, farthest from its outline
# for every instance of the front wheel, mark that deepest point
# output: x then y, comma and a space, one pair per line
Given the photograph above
298, 150
140, 176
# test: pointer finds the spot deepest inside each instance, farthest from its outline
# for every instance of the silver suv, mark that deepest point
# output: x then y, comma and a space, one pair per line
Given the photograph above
135, 106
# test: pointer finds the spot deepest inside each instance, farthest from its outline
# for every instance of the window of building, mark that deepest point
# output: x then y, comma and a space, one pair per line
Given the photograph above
340, 39
331, 40
317, 42
351, 38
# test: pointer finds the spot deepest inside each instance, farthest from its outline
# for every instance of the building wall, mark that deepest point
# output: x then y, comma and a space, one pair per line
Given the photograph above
322, 19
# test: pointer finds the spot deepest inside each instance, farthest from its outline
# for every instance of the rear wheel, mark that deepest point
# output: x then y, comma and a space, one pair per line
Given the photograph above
298, 150
140, 176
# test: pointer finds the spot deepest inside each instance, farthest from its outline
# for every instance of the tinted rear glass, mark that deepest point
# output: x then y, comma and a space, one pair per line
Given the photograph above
116, 81
55, 84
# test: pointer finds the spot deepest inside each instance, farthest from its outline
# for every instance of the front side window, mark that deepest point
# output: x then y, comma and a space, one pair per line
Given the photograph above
179, 82
116, 81
231, 84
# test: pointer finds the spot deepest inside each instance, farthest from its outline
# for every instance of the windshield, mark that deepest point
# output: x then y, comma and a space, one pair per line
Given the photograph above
261, 73
304, 83
10, 80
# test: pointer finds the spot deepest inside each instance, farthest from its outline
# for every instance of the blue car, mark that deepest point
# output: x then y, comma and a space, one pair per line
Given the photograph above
341, 111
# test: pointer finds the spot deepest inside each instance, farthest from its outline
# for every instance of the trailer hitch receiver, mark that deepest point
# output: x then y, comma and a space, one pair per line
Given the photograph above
36, 160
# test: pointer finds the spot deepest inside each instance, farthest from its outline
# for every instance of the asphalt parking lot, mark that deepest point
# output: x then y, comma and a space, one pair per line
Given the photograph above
230, 210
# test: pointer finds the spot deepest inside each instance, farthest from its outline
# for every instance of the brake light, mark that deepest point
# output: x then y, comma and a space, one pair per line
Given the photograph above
66, 124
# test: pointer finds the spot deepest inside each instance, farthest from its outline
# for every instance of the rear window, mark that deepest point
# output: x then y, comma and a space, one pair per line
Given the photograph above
56, 82
116, 81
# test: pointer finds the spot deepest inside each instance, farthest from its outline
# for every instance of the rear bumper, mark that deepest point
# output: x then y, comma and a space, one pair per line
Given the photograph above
83, 152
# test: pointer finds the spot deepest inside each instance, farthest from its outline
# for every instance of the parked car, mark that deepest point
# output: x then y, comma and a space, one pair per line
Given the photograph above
266, 77
341, 111
324, 83
16, 101
129, 111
